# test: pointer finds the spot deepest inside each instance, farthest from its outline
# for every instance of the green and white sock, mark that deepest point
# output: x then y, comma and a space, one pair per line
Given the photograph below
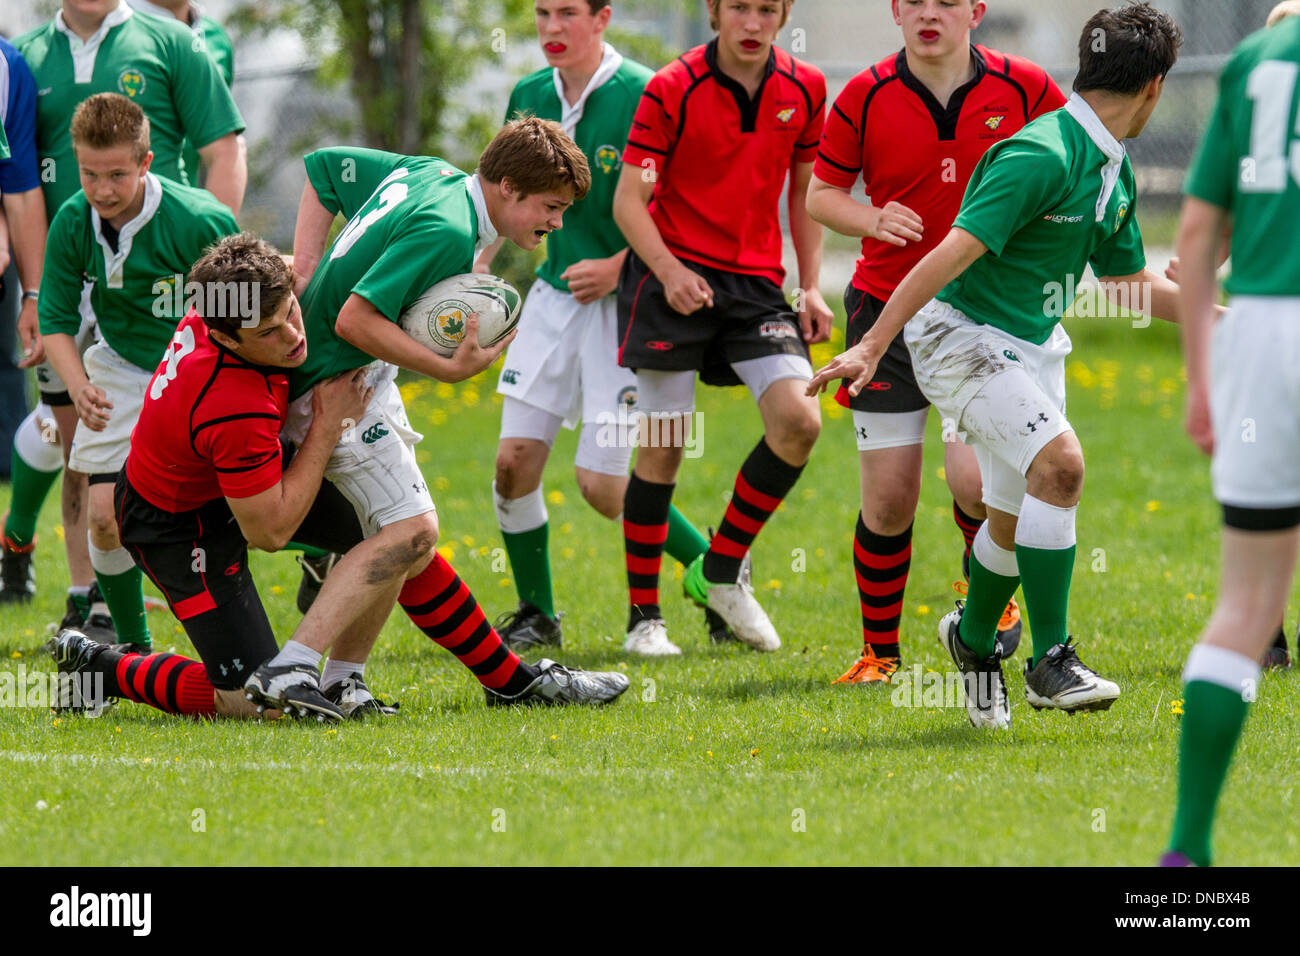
994, 577
1045, 548
122, 585
1218, 683
524, 529
684, 543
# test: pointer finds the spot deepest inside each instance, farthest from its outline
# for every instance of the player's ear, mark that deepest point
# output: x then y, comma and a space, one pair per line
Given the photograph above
224, 340
148, 161
977, 14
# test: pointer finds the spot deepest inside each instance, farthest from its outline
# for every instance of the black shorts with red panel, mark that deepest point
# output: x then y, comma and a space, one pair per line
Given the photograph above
749, 319
894, 388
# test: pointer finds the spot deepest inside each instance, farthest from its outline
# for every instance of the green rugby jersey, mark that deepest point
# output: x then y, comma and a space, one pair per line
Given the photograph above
411, 223
1249, 160
154, 62
589, 231
1033, 201
134, 294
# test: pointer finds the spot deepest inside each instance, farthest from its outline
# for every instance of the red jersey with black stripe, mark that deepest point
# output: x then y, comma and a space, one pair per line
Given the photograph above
722, 157
210, 425
888, 128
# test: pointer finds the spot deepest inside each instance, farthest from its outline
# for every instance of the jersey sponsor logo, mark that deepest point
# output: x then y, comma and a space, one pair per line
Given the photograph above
45, 92
1010, 355
777, 330
374, 433
510, 376
659, 346
1062, 219
627, 396
1119, 216
131, 82
877, 387
786, 114
233, 569
993, 122
607, 159
1033, 425
446, 172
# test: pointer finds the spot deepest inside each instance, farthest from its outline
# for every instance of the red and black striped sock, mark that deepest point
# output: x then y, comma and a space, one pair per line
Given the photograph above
441, 605
646, 506
881, 563
762, 484
169, 682
968, 526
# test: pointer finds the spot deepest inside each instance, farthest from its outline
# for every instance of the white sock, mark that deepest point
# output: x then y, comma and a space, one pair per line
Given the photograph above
295, 652
115, 561
79, 590
1224, 667
517, 515
1045, 526
336, 671
992, 556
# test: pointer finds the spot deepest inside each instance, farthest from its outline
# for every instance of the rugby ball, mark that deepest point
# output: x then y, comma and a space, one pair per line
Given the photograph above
438, 319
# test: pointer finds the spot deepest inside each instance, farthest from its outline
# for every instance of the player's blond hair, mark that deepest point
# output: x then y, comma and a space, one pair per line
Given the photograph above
106, 120
1287, 8
715, 4
537, 156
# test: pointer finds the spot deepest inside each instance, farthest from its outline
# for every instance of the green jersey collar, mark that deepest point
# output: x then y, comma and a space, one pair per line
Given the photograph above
1113, 149
570, 116
84, 51
114, 262
487, 233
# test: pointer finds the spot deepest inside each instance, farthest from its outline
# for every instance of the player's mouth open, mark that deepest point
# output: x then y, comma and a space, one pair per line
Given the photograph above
751, 44
555, 48
297, 350
929, 36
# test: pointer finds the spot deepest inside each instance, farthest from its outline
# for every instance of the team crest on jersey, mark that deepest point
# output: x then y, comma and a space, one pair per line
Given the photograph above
1119, 217
607, 159
627, 396
786, 114
993, 122
131, 82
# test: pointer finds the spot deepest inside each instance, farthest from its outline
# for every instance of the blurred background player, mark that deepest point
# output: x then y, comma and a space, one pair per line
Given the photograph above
913, 126
24, 213
1241, 370
718, 133
988, 348
563, 366
125, 230
413, 221
98, 46
206, 477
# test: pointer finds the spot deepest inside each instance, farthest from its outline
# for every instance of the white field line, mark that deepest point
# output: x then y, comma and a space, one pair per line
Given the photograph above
409, 769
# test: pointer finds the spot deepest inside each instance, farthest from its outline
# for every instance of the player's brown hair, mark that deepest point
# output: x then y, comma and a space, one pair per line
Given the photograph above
715, 4
537, 156
1124, 49
243, 258
106, 120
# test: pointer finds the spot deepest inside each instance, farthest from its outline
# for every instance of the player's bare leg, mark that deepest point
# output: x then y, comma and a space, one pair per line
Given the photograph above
120, 581
1222, 676
74, 503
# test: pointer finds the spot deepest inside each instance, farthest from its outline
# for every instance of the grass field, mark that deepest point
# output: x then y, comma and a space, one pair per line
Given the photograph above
721, 756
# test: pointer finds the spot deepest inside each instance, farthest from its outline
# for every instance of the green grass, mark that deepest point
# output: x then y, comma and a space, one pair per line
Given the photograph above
713, 757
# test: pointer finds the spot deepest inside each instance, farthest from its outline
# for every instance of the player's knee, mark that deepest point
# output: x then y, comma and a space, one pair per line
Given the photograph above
603, 492
103, 528
1061, 476
890, 514
796, 430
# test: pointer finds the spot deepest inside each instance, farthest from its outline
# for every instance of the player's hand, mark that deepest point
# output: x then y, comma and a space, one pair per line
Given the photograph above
1200, 427
92, 407
1171, 270
469, 358
592, 279
897, 225
686, 291
815, 316
29, 335
342, 400
858, 363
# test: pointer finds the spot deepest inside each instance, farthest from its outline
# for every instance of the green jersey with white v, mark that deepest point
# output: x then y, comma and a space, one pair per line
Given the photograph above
138, 293
1034, 200
154, 62
1249, 161
411, 223
589, 230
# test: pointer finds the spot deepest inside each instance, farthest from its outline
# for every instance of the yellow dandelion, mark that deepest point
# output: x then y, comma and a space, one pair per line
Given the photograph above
505, 582
1153, 506
555, 497
276, 589
690, 737
57, 721
923, 609
15, 654
708, 753
568, 553
555, 736
890, 774
448, 552
467, 541
438, 416
441, 483
941, 473
1176, 707
58, 531
444, 390
566, 528
773, 585
754, 752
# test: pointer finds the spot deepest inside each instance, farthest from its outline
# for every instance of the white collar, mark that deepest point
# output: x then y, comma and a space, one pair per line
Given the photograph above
154, 10
570, 116
121, 14
1112, 148
114, 261
487, 233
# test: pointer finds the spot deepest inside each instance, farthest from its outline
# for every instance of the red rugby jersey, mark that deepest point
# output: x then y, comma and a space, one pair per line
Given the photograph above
723, 158
210, 425
886, 127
